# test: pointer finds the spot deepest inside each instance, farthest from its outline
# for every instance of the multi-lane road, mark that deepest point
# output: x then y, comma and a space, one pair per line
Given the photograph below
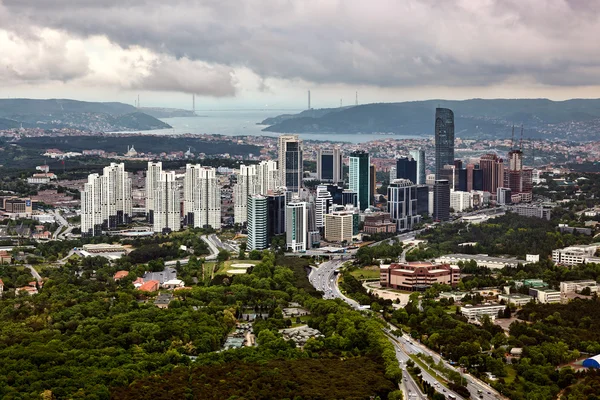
324, 278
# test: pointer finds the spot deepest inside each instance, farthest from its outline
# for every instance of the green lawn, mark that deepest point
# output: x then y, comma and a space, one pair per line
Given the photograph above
371, 272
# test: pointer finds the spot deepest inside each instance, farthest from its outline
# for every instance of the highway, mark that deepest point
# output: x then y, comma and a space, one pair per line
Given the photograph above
324, 279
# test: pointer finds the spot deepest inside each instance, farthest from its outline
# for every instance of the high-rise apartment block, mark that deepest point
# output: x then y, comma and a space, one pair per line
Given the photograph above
245, 187
296, 226
167, 205
152, 177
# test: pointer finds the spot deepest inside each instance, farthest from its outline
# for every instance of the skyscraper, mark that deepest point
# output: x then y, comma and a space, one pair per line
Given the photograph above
267, 177
359, 178
329, 165
115, 196
276, 204
323, 203
441, 200
419, 157
406, 168
257, 223
403, 204
191, 193
372, 183
444, 139
91, 211
167, 206
245, 187
290, 162
296, 226
106, 200
202, 197
493, 172
152, 177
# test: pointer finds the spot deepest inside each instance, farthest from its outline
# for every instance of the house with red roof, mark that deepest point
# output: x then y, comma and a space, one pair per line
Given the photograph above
150, 286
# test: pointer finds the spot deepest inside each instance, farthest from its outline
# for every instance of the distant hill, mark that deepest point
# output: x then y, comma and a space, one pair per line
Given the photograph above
473, 118
64, 113
159, 112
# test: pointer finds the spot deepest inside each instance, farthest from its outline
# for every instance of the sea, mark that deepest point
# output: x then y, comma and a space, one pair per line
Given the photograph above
245, 122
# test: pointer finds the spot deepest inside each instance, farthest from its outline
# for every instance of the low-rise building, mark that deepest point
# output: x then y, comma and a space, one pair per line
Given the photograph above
546, 295
41, 179
379, 222
120, 275
574, 255
418, 275
5, 257
474, 312
578, 286
517, 299
163, 300
532, 211
150, 286
482, 260
455, 296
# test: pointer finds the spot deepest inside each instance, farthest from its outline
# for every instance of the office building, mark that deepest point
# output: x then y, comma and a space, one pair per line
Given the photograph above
444, 139
503, 196
460, 201
245, 187
167, 206
267, 177
441, 200
532, 211
329, 165
379, 222
475, 312
373, 183
290, 162
153, 174
339, 226
419, 157
423, 200
91, 209
450, 173
574, 255
546, 296
406, 168
360, 178
418, 276
323, 203
258, 226
393, 174
567, 287
296, 226
276, 205
402, 204
493, 172
517, 299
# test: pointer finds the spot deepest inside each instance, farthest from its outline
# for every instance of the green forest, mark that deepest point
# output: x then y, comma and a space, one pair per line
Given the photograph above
86, 336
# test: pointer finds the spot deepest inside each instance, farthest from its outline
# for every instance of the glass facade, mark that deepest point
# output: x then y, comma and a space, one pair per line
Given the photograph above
444, 139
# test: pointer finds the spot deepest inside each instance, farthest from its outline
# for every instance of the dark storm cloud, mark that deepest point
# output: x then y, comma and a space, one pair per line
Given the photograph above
380, 43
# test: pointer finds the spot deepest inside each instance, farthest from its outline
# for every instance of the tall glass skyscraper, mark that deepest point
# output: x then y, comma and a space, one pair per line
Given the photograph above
360, 178
419, 156
444, 139
290, 162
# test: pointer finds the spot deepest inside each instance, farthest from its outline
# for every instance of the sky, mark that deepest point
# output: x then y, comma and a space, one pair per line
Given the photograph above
266, 54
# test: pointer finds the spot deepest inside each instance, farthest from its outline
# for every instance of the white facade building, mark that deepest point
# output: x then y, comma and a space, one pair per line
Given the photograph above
166, 206
296, 226
339, 226
323, 203
478, 311
578, 286
460, 201
517, 299
153, 175
191, 193
548, 296
202, 197
245, 187
91, 211
115, 196
257, 223
267, 177
574, 255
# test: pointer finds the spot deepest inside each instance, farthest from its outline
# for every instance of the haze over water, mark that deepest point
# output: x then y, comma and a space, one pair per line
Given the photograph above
244, 122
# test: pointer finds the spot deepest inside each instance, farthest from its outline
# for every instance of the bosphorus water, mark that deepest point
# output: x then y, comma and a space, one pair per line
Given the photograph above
244, 122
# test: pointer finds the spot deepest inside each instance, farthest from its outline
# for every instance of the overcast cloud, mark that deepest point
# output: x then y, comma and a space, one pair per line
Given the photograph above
197, 46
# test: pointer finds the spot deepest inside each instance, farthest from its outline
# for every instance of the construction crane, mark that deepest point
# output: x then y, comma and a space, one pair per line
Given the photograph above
512, 138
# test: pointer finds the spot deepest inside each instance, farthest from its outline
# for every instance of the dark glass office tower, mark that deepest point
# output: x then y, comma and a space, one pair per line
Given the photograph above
477, 179
275, 215
444, 139
290, 162
441, 200
406, 168
360, 178
329, 165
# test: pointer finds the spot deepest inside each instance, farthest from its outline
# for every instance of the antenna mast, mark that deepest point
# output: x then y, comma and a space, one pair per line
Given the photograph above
309, 99
357, 97
521, 141
193, 103
512, 138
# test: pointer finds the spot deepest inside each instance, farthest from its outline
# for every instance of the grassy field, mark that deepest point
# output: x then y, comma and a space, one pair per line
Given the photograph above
227, 265
370, 272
